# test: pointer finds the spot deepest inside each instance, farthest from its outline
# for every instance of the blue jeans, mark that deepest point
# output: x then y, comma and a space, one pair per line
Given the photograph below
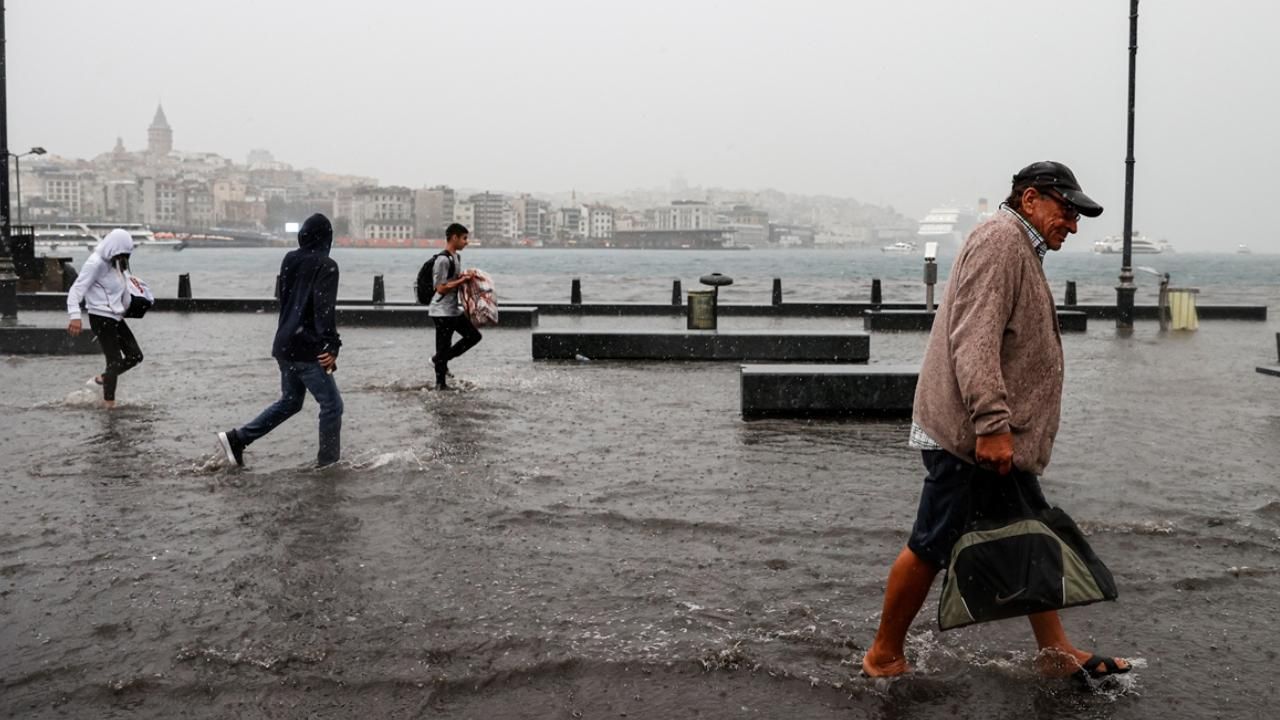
296, 379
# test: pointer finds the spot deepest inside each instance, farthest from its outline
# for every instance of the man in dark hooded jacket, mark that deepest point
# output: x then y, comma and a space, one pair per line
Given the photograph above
306, 346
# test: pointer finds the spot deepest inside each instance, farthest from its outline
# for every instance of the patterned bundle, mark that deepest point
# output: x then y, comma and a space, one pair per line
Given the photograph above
478, 300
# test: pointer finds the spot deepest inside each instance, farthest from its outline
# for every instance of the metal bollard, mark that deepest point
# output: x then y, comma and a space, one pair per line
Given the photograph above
777, 291
575, 292
1071, 293
930, 279
1162, 302
184, 286
930, 273
875, 291
379, 290
676, 300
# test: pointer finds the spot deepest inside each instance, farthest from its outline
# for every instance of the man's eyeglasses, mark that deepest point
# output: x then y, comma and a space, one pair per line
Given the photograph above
1069, 211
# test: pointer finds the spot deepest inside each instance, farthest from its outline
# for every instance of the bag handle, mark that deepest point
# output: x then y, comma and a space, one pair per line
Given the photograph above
996, 499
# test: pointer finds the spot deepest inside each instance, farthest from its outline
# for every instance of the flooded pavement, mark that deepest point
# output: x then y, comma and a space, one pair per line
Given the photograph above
599, 539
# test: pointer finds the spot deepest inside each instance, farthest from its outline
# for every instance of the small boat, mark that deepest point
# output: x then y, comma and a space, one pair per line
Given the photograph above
1243, 249
901, 247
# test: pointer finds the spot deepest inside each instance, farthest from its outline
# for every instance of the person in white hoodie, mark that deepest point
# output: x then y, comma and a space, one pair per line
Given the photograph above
103, 286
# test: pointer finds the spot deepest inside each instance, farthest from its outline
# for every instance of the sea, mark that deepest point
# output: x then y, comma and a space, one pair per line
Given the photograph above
592, 539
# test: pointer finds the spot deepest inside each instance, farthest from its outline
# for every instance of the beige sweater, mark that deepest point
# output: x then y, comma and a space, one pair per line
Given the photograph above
994, 359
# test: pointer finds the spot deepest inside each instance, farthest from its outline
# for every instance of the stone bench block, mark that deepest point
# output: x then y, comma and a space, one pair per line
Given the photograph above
19, 340
922, 320
415, 316
828, 390
844, 347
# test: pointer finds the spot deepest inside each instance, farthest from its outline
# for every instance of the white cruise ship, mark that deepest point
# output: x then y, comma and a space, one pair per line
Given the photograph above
948, 226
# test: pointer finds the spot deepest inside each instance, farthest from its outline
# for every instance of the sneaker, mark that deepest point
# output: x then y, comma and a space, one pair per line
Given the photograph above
232, 447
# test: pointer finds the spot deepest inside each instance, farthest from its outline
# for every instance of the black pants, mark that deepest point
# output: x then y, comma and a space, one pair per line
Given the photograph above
120, 348
445, 328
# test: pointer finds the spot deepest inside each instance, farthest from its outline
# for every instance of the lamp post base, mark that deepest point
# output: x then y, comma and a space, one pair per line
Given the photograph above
1124, 300
8, 289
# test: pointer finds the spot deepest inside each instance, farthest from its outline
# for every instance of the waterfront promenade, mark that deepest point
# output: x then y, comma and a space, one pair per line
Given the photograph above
597, 537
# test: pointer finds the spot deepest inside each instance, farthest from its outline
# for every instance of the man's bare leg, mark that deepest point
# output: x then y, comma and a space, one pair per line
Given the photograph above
1058, 656
909, 581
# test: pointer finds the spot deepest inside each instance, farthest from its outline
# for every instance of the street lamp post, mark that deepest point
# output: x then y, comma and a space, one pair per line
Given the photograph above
17, 174
1126, 289
8, 280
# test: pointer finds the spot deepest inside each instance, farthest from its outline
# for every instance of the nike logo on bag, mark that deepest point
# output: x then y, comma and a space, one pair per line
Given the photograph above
1005, 599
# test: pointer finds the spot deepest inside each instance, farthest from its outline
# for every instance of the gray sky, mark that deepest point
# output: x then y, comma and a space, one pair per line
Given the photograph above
910, 104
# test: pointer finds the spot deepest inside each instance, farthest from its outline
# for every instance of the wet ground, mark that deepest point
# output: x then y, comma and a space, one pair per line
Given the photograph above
595, 539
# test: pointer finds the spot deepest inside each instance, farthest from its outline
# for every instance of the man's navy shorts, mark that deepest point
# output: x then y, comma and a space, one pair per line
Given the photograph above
953, 490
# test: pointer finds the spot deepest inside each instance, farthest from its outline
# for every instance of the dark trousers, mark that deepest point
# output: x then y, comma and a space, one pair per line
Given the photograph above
296, 380
119, 347
955, 492
446, 326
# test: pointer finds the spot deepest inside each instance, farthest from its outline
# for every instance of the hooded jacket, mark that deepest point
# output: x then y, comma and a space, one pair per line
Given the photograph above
100, 284
308, 294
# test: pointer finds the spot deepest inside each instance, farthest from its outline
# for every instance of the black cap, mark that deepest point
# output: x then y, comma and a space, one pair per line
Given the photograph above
1059, 177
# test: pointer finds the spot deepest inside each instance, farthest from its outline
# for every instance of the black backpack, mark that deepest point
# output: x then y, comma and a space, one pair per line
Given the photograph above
425, 288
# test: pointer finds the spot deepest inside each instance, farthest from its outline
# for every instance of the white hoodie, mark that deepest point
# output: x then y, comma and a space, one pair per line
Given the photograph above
100, 283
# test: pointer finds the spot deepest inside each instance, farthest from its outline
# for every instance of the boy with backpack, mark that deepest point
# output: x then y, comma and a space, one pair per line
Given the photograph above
446, 276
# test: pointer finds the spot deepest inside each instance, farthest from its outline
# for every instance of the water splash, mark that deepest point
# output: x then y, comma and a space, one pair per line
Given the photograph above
213, 463
373, 460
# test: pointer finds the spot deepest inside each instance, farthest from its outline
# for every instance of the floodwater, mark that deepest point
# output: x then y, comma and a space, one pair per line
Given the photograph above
599, 539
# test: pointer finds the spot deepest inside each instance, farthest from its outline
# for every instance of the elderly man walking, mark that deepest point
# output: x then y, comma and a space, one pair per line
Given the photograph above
988, 403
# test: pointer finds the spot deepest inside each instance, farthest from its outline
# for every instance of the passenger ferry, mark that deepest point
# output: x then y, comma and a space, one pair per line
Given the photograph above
52, 237
1140, 245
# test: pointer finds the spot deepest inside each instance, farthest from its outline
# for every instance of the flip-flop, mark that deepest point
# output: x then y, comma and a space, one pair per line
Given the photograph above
1089, 668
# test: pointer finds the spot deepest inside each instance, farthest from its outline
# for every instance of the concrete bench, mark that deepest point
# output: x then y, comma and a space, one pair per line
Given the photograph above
415, 316
846, 347
922, 320
826, 390
23, 340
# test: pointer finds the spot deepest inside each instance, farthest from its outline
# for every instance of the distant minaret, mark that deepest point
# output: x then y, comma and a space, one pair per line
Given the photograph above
159, 135
119, 150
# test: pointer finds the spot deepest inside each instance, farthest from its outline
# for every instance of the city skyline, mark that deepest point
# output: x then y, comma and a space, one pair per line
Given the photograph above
904, 106
188, 192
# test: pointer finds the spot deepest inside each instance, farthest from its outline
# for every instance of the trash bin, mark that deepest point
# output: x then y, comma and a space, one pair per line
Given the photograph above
1182, 308
700, 310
